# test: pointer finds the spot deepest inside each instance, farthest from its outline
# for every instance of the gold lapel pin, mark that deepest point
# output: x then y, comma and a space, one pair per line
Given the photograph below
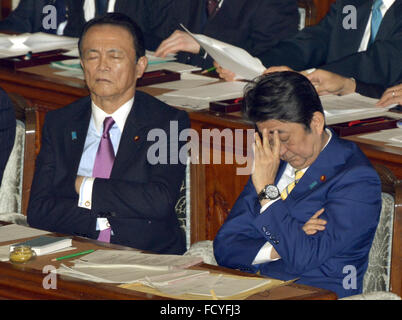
323, 178
136, 138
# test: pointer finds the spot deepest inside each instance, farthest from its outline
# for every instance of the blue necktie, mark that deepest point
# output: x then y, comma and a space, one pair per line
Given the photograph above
101, 7
375, 19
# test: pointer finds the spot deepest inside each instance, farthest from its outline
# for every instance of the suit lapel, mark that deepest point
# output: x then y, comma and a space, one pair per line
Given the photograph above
75, 135
134, 135
390, 20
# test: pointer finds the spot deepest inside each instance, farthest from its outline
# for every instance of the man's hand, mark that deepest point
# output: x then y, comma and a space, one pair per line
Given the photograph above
315, 224
391, 95
326, 82
78, 182
225, 74
178, 41
266, 160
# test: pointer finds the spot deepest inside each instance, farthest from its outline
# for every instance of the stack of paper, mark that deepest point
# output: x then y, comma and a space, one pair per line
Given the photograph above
13, 232
350, 107
199, 97
187, 81
390, 137
118, 266
14, 45
207, 284
153, 60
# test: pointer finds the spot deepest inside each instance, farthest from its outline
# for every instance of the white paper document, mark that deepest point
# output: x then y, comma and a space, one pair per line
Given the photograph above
153, 60
202, 284
14, 45
199, 97
230, 57
172, 66
391, 137
15, 232
187, 81
350, 107
136, 259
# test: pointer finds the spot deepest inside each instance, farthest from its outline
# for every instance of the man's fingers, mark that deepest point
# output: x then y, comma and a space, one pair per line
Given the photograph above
317, 214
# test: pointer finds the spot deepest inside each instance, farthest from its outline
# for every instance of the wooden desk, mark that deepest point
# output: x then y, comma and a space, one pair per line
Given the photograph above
26, 282
214, 187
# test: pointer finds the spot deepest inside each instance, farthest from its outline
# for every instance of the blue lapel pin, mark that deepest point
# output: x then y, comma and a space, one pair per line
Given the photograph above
313, 185
74, 135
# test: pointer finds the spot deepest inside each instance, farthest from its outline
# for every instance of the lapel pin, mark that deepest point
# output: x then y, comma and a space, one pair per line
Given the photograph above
323, 178
74, 135
313, 185
136, 138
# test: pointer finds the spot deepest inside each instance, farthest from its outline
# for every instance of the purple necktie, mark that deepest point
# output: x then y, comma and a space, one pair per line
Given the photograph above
104, 164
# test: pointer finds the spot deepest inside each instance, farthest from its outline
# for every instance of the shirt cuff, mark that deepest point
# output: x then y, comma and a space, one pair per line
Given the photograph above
85, 199
265, 207
263, 256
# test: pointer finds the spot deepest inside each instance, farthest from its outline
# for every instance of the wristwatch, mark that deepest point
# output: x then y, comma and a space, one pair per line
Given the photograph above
270, 192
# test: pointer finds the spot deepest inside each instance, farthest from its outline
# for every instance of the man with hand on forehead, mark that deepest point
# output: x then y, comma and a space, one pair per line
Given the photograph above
302, 171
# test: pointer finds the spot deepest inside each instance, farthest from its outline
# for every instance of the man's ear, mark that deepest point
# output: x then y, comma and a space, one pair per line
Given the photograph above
142, 64
317, 123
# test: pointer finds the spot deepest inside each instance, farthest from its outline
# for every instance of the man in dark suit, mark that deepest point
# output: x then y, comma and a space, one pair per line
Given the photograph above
7, 130
346, 43
254, 25
103, 185
31, 16
302, 170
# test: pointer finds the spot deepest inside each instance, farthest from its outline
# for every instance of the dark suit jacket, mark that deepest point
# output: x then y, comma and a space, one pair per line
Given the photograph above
254, 25
138, 199
342, 181
331, 47
7, 130
28, 17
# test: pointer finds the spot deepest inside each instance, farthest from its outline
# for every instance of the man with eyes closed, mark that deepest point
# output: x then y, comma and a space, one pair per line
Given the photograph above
302, 170
93, 177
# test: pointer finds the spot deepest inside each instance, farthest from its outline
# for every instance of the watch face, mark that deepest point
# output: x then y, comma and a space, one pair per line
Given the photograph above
272, 192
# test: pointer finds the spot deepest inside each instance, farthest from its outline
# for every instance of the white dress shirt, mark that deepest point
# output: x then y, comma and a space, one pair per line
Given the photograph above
92, 141
386, 4
288, 176
89, 8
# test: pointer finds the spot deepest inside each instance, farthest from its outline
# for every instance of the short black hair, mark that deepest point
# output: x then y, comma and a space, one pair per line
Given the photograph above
284, 96
120, 20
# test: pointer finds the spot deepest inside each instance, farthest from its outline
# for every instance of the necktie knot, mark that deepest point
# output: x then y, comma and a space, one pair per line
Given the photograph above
105, 155
107, 125
377, 4
376, 18
290, 186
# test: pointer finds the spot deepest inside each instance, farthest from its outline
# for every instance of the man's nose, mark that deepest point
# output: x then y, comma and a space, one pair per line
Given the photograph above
103, 63
282, 149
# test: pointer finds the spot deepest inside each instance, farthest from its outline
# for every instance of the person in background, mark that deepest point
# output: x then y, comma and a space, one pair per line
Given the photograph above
71, 15
254, 25
94, 176
363, 42
7, 130
302, 171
